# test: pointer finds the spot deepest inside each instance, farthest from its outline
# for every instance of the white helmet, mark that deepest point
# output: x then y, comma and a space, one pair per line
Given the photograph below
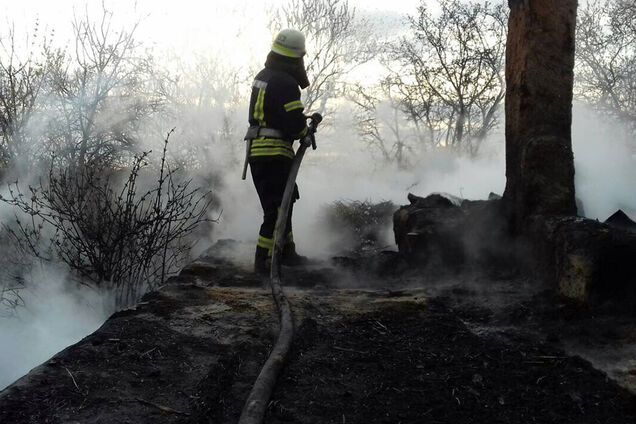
290, 43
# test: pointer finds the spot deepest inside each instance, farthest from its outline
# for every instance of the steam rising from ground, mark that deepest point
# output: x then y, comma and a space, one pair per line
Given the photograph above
343, 169
605, 160
55, 316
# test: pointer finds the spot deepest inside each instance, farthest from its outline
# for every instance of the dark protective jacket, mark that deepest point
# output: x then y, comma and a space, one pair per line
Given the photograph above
275, 103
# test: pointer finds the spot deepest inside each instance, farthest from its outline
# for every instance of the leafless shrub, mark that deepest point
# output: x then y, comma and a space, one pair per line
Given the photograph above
362, 222
16, 265
205, 98
10, 298
99, 94
126, 240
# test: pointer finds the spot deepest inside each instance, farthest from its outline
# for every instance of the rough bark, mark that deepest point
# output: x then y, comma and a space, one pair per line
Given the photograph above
539, 78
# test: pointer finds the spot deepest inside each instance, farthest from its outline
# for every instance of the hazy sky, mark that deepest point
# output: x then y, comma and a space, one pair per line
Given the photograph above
236, 29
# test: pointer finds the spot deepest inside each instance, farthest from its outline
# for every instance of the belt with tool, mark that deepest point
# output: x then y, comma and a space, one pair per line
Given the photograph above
254, 132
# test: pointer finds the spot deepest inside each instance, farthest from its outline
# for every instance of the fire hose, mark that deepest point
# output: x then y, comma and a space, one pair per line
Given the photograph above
258, 399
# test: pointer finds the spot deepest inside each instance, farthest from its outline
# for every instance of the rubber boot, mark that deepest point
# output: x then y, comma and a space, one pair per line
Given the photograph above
291, 258
262, 261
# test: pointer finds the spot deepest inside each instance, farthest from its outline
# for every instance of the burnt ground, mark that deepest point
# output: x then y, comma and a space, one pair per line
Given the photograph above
424, 349
406, 365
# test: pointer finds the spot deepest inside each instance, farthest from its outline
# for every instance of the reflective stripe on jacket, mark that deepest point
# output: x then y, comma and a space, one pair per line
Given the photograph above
275, 103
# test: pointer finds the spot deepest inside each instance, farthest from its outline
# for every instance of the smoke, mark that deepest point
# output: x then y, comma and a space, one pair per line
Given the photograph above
49, 310
56, 314
343, 168
605, 162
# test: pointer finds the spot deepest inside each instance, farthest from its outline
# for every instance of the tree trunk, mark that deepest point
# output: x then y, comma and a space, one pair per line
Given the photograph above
539, 80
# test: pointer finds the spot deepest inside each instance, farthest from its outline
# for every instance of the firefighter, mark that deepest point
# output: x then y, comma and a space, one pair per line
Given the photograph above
276, 119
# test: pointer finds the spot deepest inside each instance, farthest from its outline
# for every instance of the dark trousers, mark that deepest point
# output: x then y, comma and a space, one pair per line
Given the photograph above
270, 178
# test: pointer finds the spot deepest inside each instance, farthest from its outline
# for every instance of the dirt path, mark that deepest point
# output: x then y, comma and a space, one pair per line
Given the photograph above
190, 352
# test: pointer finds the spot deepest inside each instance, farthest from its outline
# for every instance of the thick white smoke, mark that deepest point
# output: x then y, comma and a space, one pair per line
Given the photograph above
343, 169
56, 314
605, 160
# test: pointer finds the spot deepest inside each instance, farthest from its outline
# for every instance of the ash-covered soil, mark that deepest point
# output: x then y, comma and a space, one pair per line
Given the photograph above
406, 364
415, 349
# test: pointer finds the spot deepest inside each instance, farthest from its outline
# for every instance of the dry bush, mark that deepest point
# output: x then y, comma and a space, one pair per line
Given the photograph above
362, 223
124, 239
10, 297
15, 265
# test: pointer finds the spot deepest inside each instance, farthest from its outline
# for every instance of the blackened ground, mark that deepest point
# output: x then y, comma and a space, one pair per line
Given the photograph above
146, 365
407, 364
407, 349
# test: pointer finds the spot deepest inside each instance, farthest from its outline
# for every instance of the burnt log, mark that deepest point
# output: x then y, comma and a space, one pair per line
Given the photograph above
429, 230
442, 232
